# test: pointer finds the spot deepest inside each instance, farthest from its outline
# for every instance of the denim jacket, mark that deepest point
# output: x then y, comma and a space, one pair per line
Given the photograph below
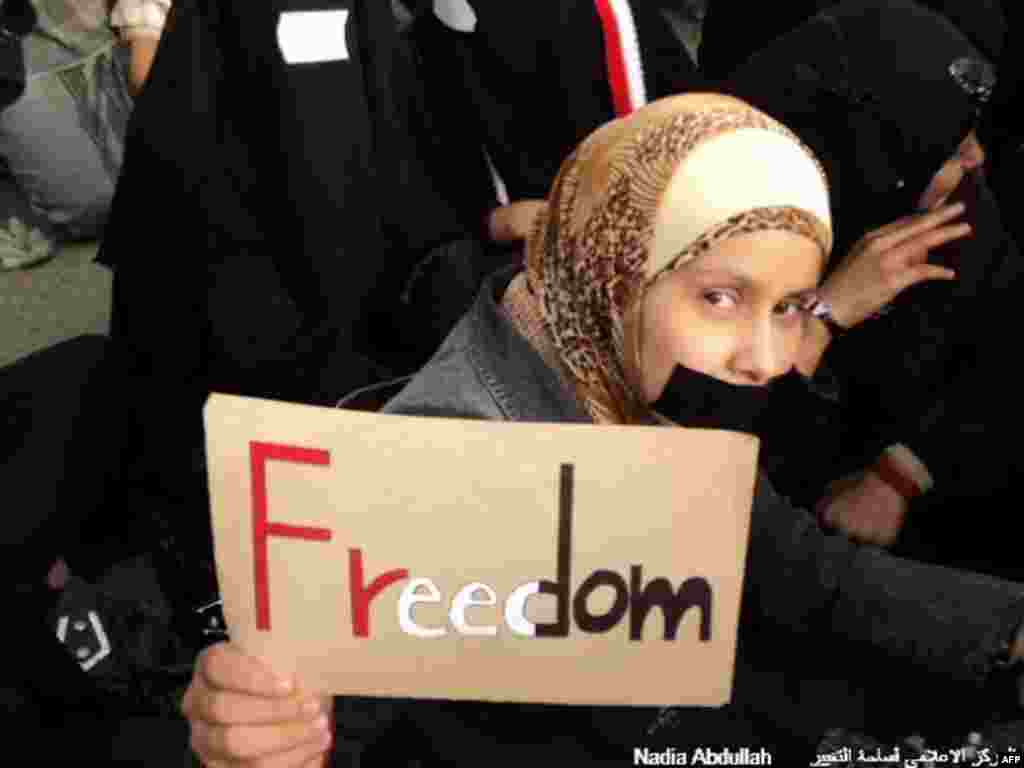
799, 582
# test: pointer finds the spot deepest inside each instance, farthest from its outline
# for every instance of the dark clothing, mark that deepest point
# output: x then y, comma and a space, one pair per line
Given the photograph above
947, 400
514, 82
49, 491
17, 18
883, 123
730, 34
989, 28
1001, 130
315, 228
917, 375
40, 410
329, 203
799, 584
1005, 133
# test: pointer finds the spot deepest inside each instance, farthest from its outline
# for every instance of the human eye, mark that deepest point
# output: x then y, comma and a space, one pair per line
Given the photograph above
721, 299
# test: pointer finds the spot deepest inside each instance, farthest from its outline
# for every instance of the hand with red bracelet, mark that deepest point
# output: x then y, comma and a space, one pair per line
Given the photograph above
865, 507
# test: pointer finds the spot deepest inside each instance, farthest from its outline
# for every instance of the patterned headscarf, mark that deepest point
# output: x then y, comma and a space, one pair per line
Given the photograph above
647, 194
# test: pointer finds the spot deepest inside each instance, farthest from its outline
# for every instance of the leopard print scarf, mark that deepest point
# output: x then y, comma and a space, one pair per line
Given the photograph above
589, 257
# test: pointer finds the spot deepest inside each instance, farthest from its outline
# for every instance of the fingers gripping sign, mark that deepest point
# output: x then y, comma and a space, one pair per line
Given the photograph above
241, 714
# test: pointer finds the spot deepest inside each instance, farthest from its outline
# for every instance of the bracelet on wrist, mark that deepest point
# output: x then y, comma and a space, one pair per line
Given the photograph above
822, 310
890, 474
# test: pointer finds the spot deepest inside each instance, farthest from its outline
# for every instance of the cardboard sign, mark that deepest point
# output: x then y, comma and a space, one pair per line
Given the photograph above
388, 555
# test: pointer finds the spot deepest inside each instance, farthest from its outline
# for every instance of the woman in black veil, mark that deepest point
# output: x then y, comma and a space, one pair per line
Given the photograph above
889, 96
897, 134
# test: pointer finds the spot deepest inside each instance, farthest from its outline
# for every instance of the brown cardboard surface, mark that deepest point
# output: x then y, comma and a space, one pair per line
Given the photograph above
463, 502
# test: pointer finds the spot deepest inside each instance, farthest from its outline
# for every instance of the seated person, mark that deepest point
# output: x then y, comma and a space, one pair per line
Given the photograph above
897, 137
140, 24
62, 138
657, 290
924, 407
354, 224
499, 68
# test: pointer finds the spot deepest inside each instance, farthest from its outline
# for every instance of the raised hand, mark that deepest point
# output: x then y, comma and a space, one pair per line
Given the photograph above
887, 261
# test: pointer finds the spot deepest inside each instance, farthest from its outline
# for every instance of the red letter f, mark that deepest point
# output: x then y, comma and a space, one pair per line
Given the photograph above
262, 528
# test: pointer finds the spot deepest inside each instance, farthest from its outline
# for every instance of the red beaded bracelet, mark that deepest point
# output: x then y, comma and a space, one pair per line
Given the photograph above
891, 474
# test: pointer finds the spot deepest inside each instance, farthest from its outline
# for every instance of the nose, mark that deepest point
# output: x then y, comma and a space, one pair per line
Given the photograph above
761, 356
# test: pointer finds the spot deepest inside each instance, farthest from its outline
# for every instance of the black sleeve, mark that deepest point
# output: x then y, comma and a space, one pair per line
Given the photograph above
806, 438
965, 437
983, 22
951, 623
668, 67
733, 31
1001, 131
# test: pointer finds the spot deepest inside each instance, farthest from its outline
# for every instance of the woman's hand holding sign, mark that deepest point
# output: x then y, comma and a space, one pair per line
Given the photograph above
242, 715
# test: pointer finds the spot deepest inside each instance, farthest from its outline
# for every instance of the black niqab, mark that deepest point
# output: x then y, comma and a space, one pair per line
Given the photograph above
867, 86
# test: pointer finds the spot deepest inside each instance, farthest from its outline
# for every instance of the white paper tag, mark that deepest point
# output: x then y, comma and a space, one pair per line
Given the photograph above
457, 14
306, 37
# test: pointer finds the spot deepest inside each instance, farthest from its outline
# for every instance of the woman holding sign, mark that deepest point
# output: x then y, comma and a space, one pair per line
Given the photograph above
664, 283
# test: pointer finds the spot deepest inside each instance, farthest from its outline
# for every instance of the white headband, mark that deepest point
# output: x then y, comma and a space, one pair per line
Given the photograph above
730, 174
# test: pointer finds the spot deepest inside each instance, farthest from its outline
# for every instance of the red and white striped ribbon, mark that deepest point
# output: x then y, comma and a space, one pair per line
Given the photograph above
622, 47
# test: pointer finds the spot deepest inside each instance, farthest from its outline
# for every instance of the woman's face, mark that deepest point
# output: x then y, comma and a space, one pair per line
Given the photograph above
969, 156
734, 313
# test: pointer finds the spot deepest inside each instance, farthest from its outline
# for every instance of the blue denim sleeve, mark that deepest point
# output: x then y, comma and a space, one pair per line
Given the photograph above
953, 623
